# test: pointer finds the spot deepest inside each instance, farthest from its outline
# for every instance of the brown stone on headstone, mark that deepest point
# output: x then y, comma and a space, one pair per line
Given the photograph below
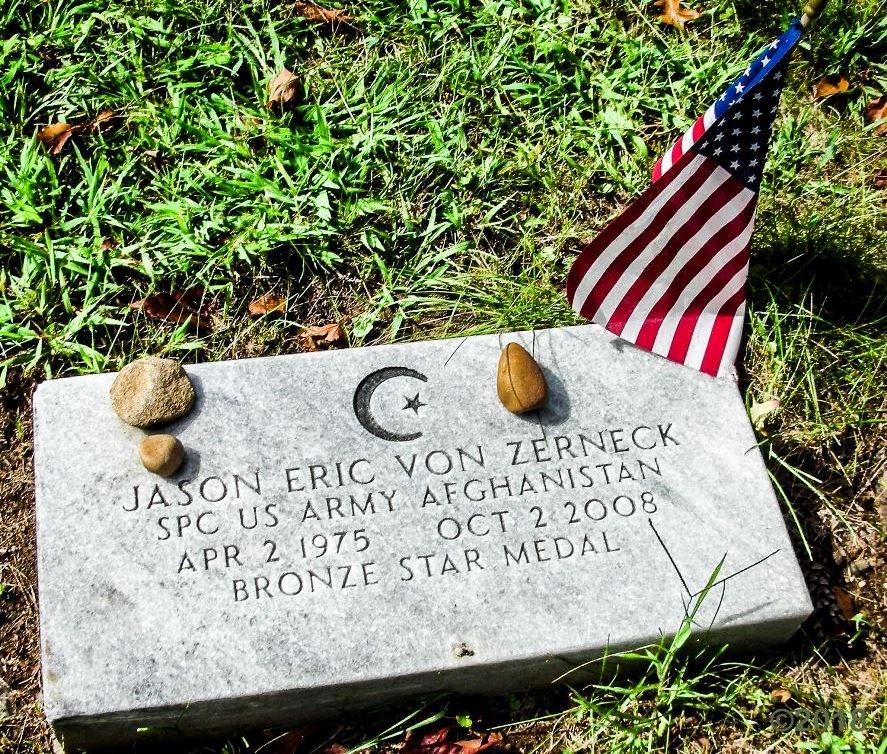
520, 382
162, 454
152, 391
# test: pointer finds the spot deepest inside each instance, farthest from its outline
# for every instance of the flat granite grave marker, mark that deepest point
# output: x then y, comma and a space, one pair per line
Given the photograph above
354, 526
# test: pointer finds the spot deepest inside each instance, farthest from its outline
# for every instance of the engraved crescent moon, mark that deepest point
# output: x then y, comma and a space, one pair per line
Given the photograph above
364, 393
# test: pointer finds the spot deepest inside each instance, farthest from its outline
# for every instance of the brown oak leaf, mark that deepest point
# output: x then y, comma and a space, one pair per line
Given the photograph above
326, 336
441, 740
780, 695
56, 135
103, 121
321, 15
285, 90
675, 14
267, 303
877, 110
845, 603
178, 307
830, 85
290, 742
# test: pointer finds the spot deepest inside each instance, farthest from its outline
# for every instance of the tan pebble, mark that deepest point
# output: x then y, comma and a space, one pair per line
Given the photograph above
152, 391
162, 454
520, 382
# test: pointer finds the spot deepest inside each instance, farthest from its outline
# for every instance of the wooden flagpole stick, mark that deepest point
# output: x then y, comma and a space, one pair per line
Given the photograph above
812, 9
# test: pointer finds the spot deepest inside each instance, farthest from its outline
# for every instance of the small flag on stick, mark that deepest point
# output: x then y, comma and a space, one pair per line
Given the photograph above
669, 273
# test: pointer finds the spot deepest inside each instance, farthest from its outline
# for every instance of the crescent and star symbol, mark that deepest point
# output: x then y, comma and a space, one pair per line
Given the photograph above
364, 394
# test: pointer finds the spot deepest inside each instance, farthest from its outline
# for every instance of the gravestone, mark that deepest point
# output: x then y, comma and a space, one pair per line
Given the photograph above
358, 526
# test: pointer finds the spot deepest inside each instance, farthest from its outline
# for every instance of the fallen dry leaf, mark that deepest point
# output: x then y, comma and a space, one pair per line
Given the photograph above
877, 110
287, 743
56, 135
880, 178
285, 90
179, 307
321, 15
780, 696
845, 603
830, 85
760, 411
322, 335
102, 121
439, 741
267, 303
675, 14
109, 243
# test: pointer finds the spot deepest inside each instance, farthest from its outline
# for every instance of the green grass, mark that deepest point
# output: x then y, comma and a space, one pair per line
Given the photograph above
444, 167
447, 160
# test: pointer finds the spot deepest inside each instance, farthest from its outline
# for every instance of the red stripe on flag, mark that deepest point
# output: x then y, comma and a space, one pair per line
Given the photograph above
651, 272
680, 343
662, 308
677, 151
609, 234
717, 341
634, 249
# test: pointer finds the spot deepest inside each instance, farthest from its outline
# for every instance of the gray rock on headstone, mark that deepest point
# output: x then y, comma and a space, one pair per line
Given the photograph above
152, 391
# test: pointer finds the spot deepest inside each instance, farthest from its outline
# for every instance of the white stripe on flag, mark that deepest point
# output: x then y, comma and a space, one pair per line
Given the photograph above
687, 138
732, 346
682, 256
671, 320
706, 321
688, 209
606, 257
709, 118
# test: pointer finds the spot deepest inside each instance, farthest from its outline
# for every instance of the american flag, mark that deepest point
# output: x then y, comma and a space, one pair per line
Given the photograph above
669, 273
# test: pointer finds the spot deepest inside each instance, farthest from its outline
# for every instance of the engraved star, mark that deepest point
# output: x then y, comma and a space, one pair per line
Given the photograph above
754, 147
757, 113
777, 75
752, 163
734, 164
765, 62
736, 132
734, 148
740, 88
774, 44
719, 136
717, 151
756, 130
757, 95
413, 403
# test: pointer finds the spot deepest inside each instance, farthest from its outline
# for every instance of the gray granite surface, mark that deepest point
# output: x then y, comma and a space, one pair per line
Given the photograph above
357, 526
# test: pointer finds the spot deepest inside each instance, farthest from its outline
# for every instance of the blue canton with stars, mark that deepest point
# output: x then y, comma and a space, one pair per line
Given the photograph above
738, 139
